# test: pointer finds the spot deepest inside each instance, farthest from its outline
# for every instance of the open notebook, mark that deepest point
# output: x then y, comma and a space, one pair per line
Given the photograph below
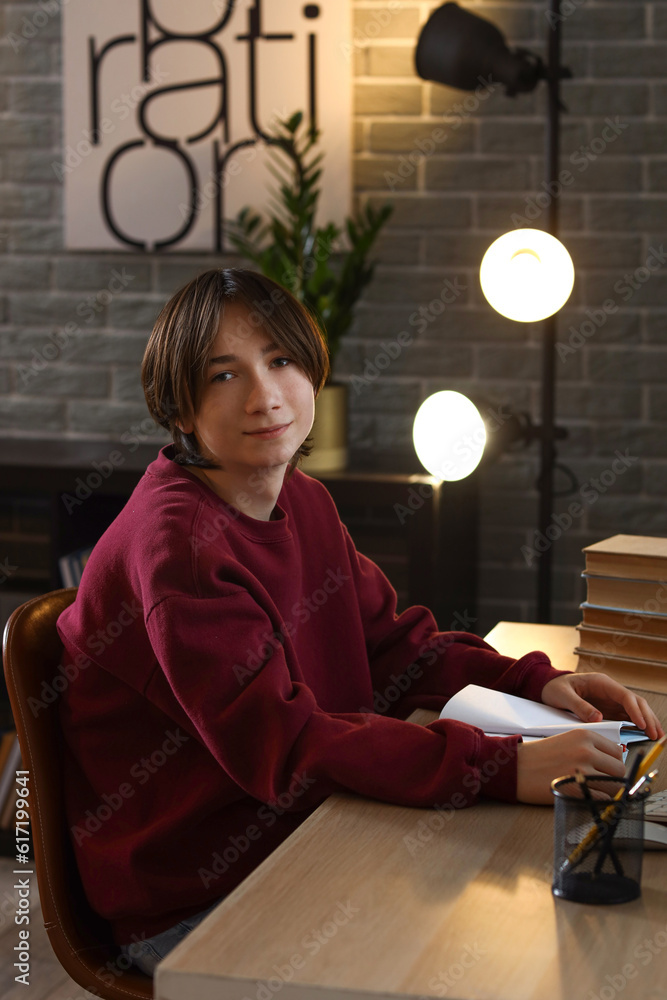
500, 714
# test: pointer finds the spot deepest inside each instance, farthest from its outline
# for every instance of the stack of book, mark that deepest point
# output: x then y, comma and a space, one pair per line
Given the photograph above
10, 762
624, 626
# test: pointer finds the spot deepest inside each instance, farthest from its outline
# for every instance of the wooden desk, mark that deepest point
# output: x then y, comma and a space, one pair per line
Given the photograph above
373, 899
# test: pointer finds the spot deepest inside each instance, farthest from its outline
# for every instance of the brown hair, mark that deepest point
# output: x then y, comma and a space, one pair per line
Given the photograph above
176, 357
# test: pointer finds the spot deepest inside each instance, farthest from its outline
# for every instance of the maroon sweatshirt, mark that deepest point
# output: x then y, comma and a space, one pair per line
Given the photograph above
226, 674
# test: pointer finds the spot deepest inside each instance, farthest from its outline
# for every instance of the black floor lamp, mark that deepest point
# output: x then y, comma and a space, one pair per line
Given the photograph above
462, 50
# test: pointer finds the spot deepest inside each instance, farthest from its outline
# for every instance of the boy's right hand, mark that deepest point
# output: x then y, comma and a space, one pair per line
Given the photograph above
540, 761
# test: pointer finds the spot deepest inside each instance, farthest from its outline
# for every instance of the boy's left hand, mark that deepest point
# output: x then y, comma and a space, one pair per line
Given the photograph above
593, 697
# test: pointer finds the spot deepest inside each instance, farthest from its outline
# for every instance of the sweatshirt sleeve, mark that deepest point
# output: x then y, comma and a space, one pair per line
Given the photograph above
414, 665
267, 730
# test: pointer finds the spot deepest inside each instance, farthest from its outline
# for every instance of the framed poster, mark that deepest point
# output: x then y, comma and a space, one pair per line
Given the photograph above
168, 106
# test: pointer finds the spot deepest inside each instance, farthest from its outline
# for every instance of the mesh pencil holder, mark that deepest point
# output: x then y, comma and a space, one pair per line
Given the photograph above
598, 845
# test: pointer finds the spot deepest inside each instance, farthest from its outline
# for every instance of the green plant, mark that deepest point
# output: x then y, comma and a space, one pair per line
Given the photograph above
290, 248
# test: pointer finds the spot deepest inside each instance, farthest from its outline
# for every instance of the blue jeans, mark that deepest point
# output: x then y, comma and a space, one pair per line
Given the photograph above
146, 954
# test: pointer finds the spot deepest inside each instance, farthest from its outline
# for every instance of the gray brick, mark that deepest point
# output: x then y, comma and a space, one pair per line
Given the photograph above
624, 515
600, 98
31, 23
460, 249
656, 327
387, 99
390, 286
459, 325
391, 60
643, 440
509, 472
470, 173
445, 360
102, 348
118, 273
520, 583
427, 211
495, 212
618, 61
64, 380
28, 201
29, 165
657, 403
54, 310
576, 57
622, 327
522, 362
641, 137
497, 136
108, 418
660, 20
657, 175
509, 509
594, 402
126, 385
33, 132
42, 415
476, 326
621, 365
660, 98
386, 396
638, 214
5, 380
580, 439
36, 349
423, 138
605, 173
29, 59
21, 272
396, 248
598, 252
655, 478
385, 22
606, 21
35, 97
624, 291
394, 432
36, 236
390, 173
133, 312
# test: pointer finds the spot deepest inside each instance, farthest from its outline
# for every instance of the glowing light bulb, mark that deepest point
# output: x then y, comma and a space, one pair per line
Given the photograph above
449, 435
527, 275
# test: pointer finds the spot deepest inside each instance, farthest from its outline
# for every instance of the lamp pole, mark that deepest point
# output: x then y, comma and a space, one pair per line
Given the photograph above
548, 432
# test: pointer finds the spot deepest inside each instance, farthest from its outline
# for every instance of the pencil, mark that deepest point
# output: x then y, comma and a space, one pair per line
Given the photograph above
639, 768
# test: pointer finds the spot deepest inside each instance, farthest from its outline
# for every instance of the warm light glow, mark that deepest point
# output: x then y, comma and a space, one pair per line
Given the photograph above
527, 275
449, 435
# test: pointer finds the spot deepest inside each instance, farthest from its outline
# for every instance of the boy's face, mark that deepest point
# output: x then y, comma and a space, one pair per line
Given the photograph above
256, 406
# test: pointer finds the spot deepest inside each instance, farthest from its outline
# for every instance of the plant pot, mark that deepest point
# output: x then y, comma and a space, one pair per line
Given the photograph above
329, 432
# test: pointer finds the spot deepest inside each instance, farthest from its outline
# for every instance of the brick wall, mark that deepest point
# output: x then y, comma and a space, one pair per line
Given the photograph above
457, 168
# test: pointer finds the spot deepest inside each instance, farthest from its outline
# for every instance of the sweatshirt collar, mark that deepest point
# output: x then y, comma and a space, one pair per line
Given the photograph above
165, 468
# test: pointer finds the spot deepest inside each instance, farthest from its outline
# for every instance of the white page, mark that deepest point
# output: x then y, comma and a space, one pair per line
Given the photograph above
497, 712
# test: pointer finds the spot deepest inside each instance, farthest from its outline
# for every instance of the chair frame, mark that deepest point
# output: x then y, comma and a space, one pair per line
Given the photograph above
81, 939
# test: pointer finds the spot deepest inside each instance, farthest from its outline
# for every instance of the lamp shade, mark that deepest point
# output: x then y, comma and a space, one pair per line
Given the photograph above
449, 435
461, 50
527, 275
